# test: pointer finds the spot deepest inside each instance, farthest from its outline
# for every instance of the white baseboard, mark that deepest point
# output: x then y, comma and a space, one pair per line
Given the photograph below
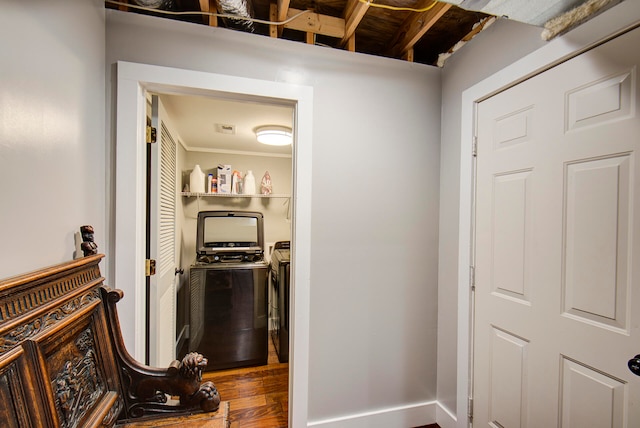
444, 418
399, 417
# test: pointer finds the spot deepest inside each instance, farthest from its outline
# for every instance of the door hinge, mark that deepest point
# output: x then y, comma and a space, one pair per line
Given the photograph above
151, 134
472, 278
470, 412
149, 267
474, 149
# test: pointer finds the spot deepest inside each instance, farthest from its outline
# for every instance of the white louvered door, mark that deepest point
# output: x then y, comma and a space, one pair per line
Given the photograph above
557, 247
162, 296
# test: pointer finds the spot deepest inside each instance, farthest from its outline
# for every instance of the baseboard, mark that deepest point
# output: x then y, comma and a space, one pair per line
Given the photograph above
413, 415
444, 418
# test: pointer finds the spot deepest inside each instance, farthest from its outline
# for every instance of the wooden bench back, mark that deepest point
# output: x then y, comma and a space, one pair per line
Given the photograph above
63, 361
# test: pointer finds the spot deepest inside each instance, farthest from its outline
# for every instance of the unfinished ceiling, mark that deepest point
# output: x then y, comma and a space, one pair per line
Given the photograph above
421, 31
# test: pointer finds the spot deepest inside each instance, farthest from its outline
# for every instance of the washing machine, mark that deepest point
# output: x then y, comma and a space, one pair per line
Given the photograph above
280, 299
228, 290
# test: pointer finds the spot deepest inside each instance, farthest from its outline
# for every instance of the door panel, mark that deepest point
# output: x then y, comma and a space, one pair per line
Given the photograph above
596, 229
557, 246
162, 295
508, 388
586, 388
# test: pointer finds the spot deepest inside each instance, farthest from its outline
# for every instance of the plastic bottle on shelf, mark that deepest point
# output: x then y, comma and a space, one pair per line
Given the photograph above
196, 180
209, 184
249, 183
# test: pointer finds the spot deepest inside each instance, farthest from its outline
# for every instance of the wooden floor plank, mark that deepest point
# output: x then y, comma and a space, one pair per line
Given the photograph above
249, 402
258, 396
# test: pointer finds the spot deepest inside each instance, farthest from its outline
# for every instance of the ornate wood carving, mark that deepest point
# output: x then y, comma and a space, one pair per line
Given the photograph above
12, 338
88, 246
78, 386
16, 301
147, 388
63, 362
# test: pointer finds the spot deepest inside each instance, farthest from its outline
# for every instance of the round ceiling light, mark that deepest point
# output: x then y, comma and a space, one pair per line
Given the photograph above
274, 135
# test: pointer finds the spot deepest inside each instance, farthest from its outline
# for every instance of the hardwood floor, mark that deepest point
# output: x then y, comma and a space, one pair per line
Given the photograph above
258, 396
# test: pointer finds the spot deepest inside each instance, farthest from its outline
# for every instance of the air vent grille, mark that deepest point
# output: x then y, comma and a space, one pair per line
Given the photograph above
225, 129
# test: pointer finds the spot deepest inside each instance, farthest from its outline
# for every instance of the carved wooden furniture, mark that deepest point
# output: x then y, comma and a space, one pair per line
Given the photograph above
63, 362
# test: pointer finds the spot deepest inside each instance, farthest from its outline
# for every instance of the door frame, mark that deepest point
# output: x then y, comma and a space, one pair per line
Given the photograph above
133, 80
611, 23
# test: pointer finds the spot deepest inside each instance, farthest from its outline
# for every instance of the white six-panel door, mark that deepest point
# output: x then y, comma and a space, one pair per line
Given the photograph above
557, 246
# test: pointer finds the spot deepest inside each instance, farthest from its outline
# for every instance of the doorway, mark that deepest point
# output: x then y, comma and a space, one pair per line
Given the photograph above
211, 132
134, 80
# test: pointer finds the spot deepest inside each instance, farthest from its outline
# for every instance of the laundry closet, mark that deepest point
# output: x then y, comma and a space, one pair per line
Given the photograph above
216, 143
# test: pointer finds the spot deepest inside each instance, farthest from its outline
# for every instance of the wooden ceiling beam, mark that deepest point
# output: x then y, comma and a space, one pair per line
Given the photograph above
209, 6
353, 14
274, 30
351, 44
315, 23
412, 30
283, 11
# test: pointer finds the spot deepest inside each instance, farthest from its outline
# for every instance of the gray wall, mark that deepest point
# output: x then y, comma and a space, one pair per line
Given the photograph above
375, 178
376, 138
52, 149
478, 59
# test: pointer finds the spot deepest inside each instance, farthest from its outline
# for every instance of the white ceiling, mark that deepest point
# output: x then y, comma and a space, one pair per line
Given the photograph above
197, 120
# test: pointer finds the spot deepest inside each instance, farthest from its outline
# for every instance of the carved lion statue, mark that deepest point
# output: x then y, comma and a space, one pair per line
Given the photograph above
192, 366
206, 395
182, 379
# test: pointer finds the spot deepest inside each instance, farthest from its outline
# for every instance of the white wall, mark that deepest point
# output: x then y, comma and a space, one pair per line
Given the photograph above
52, 145
375, 204
481, 57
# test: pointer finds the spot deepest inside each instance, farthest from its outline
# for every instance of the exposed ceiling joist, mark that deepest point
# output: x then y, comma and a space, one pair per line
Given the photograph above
415, 26
353, 14
315, 23
401, 29
209, 6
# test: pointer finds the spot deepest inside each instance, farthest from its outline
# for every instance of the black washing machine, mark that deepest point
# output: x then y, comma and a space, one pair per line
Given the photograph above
280, 280
228, 311
228, 290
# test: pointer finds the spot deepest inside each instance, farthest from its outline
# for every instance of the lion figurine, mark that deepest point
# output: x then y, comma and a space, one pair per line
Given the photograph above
182, 379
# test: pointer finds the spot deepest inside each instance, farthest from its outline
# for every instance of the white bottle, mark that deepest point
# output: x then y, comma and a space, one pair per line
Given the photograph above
208, 185
249, 183
196, 180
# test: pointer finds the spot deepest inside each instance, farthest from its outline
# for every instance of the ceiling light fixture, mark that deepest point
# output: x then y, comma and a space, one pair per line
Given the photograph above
274, 135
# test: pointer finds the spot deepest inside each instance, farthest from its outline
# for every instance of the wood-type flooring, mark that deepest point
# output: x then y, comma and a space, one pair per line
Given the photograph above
258, 396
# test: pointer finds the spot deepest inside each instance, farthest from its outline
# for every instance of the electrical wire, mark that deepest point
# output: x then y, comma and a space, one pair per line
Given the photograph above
219, 15
409, 9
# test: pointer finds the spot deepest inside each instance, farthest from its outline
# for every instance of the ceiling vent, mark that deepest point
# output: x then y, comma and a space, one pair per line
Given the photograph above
225, 129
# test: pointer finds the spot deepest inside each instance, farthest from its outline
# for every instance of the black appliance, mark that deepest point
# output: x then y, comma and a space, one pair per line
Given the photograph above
280, 276
228, 290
